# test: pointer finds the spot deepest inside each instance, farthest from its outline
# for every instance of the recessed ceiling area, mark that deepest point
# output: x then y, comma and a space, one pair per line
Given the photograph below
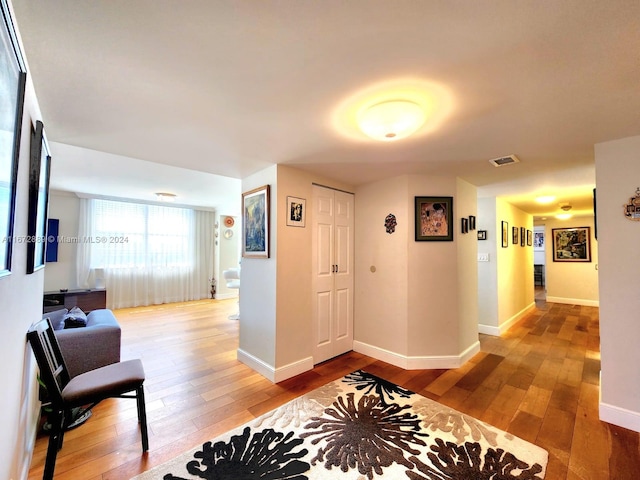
221, 90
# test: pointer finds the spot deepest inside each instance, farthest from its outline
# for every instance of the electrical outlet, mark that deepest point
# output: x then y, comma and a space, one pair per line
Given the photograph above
483, 257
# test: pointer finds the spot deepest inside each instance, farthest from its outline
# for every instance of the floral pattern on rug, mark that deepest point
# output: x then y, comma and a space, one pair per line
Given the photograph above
360, 427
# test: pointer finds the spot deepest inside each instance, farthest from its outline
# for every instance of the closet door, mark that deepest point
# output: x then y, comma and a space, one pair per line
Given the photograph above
332, 273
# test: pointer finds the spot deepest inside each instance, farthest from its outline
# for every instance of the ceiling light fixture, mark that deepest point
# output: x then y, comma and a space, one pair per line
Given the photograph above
166, 197
565, 208
391, 120
544, 199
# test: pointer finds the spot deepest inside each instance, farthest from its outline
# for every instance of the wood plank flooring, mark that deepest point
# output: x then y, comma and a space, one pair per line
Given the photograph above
538, 381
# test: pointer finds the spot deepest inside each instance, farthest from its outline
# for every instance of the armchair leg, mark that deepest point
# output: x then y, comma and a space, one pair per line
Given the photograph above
142, 417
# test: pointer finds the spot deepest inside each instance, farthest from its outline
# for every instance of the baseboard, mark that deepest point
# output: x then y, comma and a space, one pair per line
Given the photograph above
226, 296
418, 362
272, 374
573, 301
619, 416
499, 330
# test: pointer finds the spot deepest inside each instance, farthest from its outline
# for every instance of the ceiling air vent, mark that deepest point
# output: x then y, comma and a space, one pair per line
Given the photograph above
502, 161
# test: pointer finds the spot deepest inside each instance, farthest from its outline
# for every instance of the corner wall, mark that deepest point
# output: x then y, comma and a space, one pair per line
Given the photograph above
617, 178
21, 296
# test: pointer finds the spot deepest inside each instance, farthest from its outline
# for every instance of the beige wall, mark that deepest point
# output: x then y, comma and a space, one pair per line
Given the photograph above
505, 291
62, 274
617, 177
568, 282
418, 309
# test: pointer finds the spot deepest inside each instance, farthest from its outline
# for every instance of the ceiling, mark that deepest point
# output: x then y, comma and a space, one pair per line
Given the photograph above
228, 88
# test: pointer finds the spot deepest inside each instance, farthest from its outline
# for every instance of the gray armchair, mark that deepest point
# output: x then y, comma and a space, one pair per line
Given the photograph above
90, 347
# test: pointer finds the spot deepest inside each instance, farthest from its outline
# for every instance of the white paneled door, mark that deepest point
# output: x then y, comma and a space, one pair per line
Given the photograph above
332, 273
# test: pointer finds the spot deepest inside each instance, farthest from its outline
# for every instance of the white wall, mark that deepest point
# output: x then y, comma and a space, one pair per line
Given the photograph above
227, 253
62, 274
573, 283
488, 271
617, 177
21, 300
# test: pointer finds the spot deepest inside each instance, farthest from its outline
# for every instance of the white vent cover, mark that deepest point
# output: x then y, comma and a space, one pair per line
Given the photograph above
502, 161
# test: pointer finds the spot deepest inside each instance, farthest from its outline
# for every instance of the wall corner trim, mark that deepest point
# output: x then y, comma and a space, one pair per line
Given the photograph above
417, 362
272, 374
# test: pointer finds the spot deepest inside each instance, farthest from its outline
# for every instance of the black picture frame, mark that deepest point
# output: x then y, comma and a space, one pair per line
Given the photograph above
529, 238
472, 222
13, 78
571, 244
505, 234
523, 236
39, 173
434, 219
464, 225
482, 234
514, 235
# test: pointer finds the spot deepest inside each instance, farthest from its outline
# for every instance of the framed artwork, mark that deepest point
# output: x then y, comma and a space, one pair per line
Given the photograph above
529, 238
523, 238
538, 241
13, 77
571, 244
514, 235
472, 222
255, 223
505, 234
434, 219
39, 171
464, 227
296, 211
482, 234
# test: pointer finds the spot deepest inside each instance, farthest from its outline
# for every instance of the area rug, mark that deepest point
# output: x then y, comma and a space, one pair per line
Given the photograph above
360, 427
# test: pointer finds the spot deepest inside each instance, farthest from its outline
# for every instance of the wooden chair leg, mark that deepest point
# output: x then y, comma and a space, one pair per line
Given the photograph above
55, 443
142, 417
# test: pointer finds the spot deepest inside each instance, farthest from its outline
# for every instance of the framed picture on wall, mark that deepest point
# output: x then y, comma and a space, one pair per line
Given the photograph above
529, 238
39, 168
434, 218
571, 244
255, 223
296, 211
505, 234
514, 235
12, 83
523, 233
538, 241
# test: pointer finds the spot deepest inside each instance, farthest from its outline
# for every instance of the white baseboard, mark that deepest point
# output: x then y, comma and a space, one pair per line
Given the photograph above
574, 301
418, 362
272, 374
226, 296
619, 416
497, 331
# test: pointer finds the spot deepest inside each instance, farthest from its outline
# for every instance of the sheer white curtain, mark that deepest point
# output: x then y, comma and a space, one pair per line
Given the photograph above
149, 254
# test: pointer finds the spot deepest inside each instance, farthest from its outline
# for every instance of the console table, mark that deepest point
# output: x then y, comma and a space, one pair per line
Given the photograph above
85, 299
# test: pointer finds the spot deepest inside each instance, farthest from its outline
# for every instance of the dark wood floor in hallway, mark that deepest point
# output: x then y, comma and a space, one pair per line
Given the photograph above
538, 381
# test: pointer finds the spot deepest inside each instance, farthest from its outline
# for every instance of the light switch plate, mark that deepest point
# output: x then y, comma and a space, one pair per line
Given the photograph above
483, 257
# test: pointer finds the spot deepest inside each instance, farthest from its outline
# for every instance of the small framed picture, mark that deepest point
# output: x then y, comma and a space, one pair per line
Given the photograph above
464, 227
472, 222
523, 238
505, 234
255, 223
296, 211
434, 219
514, 235
482, 234
529, 238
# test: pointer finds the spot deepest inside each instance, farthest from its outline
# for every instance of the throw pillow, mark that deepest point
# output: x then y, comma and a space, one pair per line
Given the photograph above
75, 318
57, 318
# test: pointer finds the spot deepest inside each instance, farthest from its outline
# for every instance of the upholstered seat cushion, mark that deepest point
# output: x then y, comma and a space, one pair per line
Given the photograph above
111, 380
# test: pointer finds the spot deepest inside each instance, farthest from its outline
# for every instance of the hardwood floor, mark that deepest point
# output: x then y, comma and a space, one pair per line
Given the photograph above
538, 381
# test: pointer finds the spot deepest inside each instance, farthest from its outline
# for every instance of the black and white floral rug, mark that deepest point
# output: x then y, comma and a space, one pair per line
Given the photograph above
360, 427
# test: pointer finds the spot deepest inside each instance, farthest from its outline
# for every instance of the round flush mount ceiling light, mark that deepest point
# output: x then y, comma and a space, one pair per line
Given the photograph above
391, 120
166, 197
544, 199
